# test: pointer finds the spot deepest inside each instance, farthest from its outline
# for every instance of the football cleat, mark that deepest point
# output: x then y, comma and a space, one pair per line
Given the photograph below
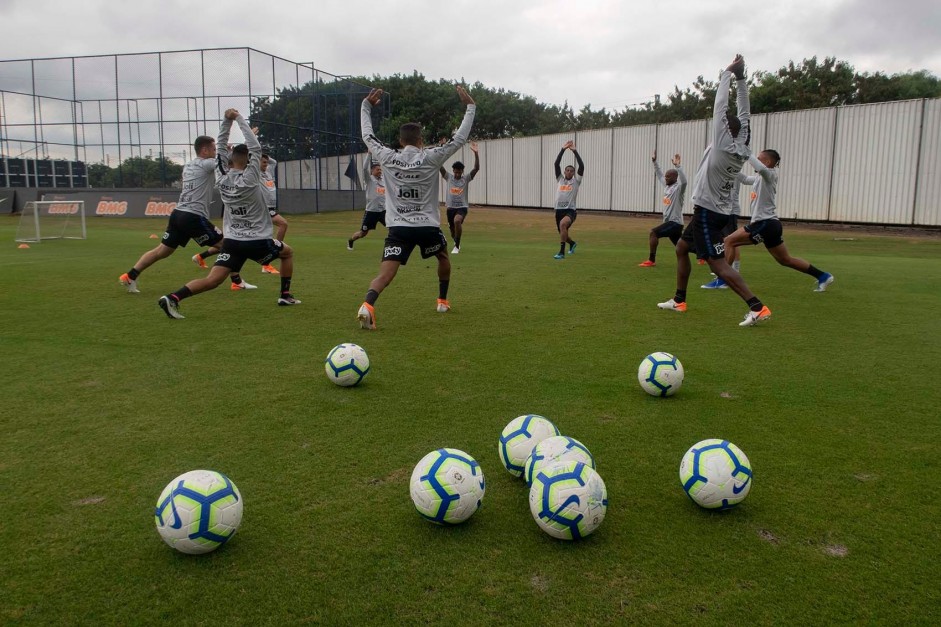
366, 316
199, 261
285, 300
822, 284
754, 317
558, 256
647, 264
455, 250
443, 305
244, 285
572, 248
129, 283
715, 284
170, 307
269, 269
672, 305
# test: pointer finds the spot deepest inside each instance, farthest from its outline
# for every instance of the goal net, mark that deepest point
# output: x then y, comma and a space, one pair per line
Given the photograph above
51, 219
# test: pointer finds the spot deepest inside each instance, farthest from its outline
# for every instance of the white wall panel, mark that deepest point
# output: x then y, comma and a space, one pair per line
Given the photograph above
689, 140
804, 140
527, 172
928, 195
551, 145
594, 147
634, 187
499, 171
874, 163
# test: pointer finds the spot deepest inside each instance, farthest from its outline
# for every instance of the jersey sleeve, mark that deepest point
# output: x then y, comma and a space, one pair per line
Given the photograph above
441, 153
381, 152
720, 126
680, 175
222, 148
760, 169
252, 174
659, 173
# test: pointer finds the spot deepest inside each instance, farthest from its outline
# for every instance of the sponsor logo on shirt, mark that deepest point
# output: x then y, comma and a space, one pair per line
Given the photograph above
381, 190
754, 195
667, 201
457, 191
565, 188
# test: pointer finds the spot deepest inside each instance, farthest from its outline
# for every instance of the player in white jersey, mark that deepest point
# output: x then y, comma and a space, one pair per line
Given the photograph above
735, 206
566, 210
410, 178
190, 219
674, 192
765, 227
721, 162
246, 221
375, 200
269, 178
456, 199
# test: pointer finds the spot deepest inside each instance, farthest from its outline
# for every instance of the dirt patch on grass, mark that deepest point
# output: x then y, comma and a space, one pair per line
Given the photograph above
606, 418
836, 550
769, 537
91, 500
726, 395
864, 477
396, 476
539, 583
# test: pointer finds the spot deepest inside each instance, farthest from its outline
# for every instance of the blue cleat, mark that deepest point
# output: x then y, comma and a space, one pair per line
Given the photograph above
558, 256
572, 248
823, 282
715, 284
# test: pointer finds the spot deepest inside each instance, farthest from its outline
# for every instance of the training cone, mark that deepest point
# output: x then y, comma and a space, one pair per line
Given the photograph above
23, 246
152, 236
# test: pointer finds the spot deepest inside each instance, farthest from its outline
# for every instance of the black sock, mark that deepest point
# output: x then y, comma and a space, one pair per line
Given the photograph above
571, 244
180, 294
371, 297
812, 271
349, 243
285, 284
443, 289
236, 278
206, 254
562, 249
754, 304
680, 296
132, 274
653, 257
457, 242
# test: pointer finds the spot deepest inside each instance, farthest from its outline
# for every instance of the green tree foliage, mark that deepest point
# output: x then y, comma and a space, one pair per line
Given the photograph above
136, 172
322, 117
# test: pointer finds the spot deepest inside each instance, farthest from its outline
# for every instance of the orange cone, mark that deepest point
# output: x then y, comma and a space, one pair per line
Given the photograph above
23, 246
152, 236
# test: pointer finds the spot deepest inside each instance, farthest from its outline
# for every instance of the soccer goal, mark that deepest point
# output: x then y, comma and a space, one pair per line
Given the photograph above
51, 219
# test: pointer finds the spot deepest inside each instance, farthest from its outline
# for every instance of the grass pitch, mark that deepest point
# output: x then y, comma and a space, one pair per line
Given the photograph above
835, 401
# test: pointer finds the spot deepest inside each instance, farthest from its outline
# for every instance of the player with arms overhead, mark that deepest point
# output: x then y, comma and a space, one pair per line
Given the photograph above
721, 162
674, 193
246, 221
565, 208
410, 177
190, 219
375, 200
456, 200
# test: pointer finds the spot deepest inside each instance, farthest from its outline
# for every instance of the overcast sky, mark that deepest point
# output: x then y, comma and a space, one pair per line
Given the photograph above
606, 53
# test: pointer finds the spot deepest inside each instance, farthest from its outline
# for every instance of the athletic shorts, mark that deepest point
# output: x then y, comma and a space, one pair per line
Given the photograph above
704, 233
731, 227
371, 219
235, 252
561, 213
673, 230
402, 239
184, 226
457, 211
272, 211
766, 231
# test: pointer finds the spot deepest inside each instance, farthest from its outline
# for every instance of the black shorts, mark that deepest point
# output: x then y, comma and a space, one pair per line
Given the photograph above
704, 233
272, 211
184, 226
731, 227
236, 252
402, 239
371, 219
766, 231
458, 211
561, 213
672, 230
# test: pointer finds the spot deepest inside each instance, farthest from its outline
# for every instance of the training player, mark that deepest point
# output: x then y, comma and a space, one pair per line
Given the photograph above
410, 177
674, 193
721, 162
375, 200
565, 209
269, 178
190, 219
456, 200
765, 227
246, 221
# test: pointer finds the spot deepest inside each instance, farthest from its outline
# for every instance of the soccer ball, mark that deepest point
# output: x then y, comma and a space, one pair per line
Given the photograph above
568, 500
556, 449
660, 374
198, 511
346, 364
716, 474
447, 486
518, 439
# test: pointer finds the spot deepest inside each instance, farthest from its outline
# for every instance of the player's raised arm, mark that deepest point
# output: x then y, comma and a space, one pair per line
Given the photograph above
720, 108
443, 173
376, 147
558, 159
473, 172
222, 142
252, 174
578, 160
742, 102
760, 169
656, 169
680, 175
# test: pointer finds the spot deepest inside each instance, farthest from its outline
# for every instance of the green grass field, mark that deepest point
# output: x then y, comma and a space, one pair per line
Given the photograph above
105, 400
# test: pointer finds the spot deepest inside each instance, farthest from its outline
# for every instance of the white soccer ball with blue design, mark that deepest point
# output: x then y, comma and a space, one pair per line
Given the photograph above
716, 474
198, 512
346, 364
559, 448
447, 486
568, 500
660, 374
518, 439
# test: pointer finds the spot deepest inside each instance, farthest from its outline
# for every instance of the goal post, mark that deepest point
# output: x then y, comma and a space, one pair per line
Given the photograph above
51, 219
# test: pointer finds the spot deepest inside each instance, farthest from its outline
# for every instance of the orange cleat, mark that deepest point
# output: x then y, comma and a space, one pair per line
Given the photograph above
366, 316
199, 261
443, 305
269, 269
647, 264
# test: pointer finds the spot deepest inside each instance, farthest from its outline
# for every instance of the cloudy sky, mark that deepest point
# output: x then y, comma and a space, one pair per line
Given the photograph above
603, 52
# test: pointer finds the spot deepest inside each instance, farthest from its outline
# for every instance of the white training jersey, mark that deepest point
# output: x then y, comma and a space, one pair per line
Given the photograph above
246, 214
457, 192
764, 191
726, 155
735, 204
673, 195
198, 183
410, 175
375, 192
567, 192
269, 180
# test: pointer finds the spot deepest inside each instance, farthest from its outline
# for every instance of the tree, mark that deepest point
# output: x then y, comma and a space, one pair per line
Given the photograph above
135, 172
